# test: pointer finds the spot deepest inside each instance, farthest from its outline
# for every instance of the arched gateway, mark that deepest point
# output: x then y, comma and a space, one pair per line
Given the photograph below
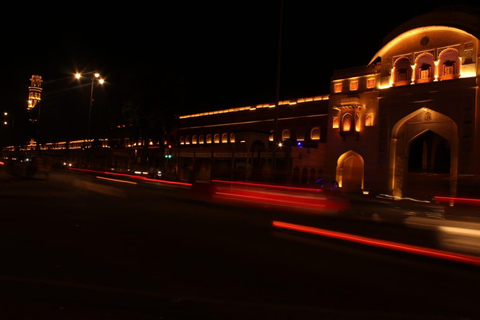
436, 136
350, 171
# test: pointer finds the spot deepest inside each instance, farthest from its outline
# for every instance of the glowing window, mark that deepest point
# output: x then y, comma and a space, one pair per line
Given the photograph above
182, 140
187, 140
337, 87
285, 134
371, 83
201, 139
353, 85
369, 120
216, 138
447, 70
335, 123
424, 68
315, 133
194, 139
270, 137
224, 137
300, 135
209, 138
403, 71
347, 122
424, 73
232, 137
449, 64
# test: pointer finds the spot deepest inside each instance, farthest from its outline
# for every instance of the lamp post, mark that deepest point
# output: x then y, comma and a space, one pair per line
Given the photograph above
6, 116
8, 121
95, 77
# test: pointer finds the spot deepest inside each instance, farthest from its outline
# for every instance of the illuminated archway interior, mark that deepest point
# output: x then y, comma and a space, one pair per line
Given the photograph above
350, 171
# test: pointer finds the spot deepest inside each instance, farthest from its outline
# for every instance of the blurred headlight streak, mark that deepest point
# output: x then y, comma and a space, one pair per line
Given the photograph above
175, 183
460, 236
306, 199
115, 180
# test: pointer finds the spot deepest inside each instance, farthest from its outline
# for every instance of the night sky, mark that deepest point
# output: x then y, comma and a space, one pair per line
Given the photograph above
223, 54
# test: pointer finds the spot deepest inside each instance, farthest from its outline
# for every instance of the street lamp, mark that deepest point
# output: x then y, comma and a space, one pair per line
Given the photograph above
95, 76
8, 121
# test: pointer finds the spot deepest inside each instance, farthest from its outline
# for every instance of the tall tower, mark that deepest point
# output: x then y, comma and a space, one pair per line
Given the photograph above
33, 107
34, 96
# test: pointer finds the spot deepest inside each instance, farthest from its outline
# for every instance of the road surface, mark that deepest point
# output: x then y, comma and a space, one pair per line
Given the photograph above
76, 246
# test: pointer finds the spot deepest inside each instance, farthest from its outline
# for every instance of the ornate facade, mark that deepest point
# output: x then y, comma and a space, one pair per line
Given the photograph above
406, 123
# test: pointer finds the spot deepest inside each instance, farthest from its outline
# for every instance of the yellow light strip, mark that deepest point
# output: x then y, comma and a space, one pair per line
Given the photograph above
258, 106
116, 180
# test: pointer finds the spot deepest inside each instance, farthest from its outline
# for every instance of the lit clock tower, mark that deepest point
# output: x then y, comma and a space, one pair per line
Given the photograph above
34, 94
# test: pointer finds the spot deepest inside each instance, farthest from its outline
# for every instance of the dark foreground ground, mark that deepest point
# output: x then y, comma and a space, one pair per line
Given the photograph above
77, 247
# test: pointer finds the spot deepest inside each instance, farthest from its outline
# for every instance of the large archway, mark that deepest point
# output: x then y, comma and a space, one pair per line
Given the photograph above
428, 165
424, 141
350, 171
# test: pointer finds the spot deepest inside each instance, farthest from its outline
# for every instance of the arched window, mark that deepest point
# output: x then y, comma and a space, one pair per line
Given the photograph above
449, 64
335, 123
224, 137
425, 68
315, 133
300, 134
347, 122
182, 140
194, 139
270, 137
304, 176
296, 175
232, 137
201, 139
337, 87
403, 72
369, 120
285, 134
312, 177
209, 138
428, 116
216, 138
187, 140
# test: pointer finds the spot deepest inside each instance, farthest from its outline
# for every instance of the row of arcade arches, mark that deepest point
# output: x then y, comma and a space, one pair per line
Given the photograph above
426, 69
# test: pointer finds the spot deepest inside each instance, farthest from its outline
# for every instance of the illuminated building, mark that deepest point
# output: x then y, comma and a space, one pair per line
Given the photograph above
34, 97
408, 121
34, 91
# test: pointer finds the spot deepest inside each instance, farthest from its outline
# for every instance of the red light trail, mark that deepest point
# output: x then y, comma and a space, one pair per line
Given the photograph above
470, 201
381, 243
253, 184
134, 177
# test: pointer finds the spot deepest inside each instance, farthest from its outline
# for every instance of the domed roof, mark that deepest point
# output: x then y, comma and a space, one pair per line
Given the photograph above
461, 18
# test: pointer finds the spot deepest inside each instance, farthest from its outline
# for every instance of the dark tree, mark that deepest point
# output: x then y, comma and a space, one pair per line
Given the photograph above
152, 96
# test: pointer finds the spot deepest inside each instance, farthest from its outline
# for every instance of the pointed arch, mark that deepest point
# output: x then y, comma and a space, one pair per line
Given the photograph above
402, 135
350, 170
424, 68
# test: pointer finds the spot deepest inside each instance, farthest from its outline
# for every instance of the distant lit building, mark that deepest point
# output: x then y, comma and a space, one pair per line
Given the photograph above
34, 96
34, 91
406, 122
